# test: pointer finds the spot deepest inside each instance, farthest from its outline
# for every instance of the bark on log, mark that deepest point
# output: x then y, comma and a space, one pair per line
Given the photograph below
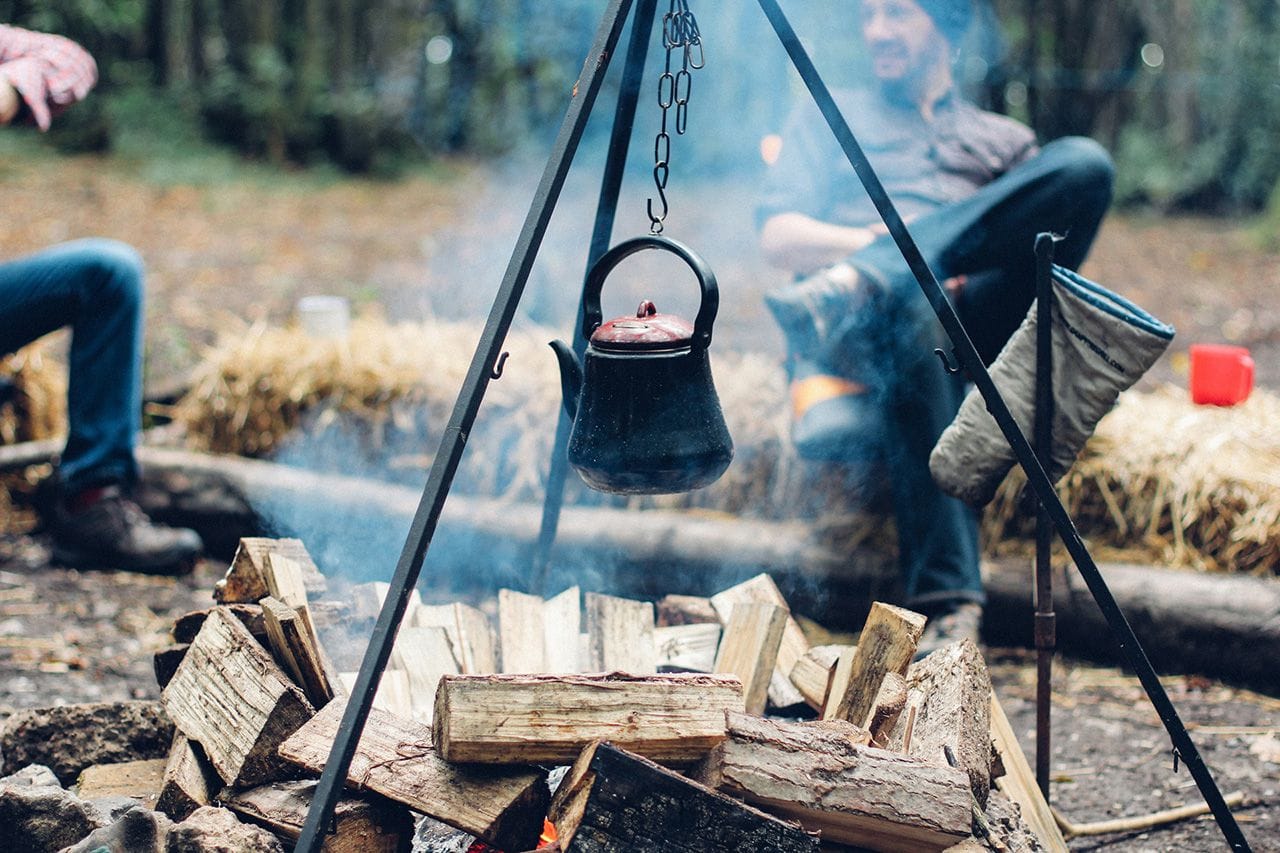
505, 806
612, 801
229, 696
670, 718
951, 693
851, 794
360, 825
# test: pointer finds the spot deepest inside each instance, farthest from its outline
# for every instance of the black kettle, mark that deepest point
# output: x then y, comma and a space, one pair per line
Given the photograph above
646, 418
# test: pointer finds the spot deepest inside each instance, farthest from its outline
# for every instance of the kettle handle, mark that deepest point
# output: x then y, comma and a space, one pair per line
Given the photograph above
592, 316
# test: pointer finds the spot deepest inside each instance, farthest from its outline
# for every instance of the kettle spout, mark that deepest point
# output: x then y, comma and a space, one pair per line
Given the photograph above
570, 376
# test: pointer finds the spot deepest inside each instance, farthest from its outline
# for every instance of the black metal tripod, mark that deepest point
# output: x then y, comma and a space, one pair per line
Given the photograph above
480, 373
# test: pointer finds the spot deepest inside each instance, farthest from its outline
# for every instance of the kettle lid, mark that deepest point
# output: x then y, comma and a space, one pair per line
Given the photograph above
646, 331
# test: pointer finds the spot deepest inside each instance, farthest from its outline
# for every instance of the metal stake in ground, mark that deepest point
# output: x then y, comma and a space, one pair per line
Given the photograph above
971, 362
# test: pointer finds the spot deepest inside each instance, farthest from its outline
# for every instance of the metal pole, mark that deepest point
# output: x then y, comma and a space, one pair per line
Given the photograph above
453, 442
1045, 627
971, 362
606, 208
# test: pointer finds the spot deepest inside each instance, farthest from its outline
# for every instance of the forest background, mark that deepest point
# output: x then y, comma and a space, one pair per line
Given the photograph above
1185, 93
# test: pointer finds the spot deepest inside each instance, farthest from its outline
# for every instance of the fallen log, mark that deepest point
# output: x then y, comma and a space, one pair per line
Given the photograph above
534, 719
1220, 625
851, 794
505, 806
612, 801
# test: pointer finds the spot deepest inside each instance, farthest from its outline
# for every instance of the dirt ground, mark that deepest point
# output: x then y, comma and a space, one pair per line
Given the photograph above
249, 250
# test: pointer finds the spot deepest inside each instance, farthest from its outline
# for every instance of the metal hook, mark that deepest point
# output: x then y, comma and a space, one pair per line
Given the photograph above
496, 372
947, 364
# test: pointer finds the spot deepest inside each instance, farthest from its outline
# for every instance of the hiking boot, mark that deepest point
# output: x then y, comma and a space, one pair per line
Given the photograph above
833, 417
960, 621
101, 529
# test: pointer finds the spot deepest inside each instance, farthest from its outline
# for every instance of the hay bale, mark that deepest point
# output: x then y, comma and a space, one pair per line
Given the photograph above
1164, 479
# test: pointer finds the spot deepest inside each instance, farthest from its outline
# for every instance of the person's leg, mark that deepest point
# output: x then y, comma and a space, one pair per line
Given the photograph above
1066, 189
94, 286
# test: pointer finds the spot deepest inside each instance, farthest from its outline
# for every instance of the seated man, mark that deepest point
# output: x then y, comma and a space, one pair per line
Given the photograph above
860, 334
95, 287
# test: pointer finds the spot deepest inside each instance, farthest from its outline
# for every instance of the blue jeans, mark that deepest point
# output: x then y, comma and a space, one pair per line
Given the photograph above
989, 238
95, 287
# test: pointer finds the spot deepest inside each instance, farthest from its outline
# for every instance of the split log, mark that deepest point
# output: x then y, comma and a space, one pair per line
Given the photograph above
950, 691
887, 643
470, 635
620, 632
889, 704
762, 589
1019, 782
841, 677
367, 599
293, 642
393, 694
521, 632
536, 719
425, 654
562, 627
139, 780
613, 801
812, 673
749, 649
687, 648
229, 696
360, 825
851, 794
685, 610
504, 806
285, 580
188, 779
246, 579
250, 615
165, 662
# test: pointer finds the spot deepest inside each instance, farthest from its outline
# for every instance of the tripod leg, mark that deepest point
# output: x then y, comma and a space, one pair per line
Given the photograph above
964, 350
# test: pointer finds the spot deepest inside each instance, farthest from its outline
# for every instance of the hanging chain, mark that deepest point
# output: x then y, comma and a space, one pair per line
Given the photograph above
679, 32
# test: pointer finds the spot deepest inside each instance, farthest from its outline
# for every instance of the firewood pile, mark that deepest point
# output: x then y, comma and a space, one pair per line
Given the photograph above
572, 723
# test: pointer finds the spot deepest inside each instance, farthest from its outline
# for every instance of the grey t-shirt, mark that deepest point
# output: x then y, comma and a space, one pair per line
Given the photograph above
922, 164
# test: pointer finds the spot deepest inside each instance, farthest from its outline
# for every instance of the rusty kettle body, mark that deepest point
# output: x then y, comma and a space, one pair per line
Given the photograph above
646, 418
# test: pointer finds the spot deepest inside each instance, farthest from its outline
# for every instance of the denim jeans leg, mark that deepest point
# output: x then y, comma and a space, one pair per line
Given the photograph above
96, 287
1065, 189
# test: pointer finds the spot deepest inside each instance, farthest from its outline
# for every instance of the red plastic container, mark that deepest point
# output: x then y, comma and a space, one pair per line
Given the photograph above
1221, 375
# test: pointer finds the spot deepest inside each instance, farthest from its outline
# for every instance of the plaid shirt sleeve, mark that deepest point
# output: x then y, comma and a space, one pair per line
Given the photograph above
49, 72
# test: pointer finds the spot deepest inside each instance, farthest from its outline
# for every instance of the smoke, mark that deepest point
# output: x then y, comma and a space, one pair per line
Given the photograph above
737, 102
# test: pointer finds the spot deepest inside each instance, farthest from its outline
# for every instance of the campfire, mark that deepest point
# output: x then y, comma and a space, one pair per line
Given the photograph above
698, 723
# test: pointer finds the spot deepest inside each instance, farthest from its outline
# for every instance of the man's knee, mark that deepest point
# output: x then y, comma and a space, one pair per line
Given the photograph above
1084, 164
117, 273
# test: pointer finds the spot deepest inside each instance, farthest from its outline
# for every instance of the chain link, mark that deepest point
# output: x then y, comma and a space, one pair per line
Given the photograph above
679, 32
